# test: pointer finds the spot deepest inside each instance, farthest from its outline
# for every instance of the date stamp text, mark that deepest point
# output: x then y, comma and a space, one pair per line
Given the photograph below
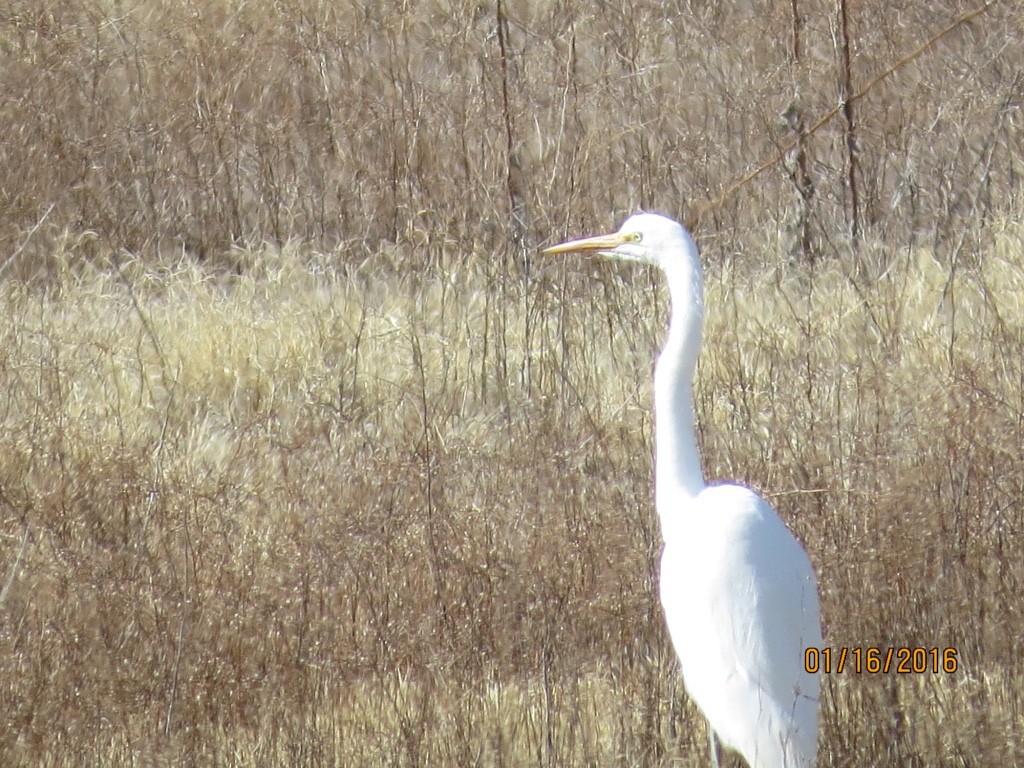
902, 661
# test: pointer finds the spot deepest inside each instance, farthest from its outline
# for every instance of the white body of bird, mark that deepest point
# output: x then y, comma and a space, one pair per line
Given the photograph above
741, 606
738, 590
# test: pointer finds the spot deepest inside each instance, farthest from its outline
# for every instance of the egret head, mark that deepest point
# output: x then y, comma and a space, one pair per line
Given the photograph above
645, 237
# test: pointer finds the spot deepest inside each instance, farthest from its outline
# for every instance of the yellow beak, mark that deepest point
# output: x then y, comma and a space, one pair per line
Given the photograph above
598, 243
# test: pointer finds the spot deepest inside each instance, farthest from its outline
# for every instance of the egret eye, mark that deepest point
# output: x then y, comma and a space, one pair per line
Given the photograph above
636, 237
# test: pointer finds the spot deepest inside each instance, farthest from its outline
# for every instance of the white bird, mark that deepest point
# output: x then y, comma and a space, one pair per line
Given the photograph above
738, 590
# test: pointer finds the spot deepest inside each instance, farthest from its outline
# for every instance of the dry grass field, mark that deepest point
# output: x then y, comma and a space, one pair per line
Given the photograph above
308, 457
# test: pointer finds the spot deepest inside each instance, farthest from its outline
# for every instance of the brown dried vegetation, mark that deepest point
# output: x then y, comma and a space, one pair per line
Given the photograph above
308, 458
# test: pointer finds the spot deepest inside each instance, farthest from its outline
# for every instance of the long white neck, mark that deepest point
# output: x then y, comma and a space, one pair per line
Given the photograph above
678, 475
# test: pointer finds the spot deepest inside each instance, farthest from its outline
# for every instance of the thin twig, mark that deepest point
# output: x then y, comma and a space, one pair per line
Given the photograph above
14, 568
851, 124
18, 251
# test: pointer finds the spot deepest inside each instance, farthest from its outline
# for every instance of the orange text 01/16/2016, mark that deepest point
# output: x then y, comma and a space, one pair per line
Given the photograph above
872, 660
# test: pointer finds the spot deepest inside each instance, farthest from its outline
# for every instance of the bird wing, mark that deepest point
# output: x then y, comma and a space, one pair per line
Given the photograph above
741, 602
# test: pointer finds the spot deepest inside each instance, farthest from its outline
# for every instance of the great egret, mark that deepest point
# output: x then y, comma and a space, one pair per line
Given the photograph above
738, 591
